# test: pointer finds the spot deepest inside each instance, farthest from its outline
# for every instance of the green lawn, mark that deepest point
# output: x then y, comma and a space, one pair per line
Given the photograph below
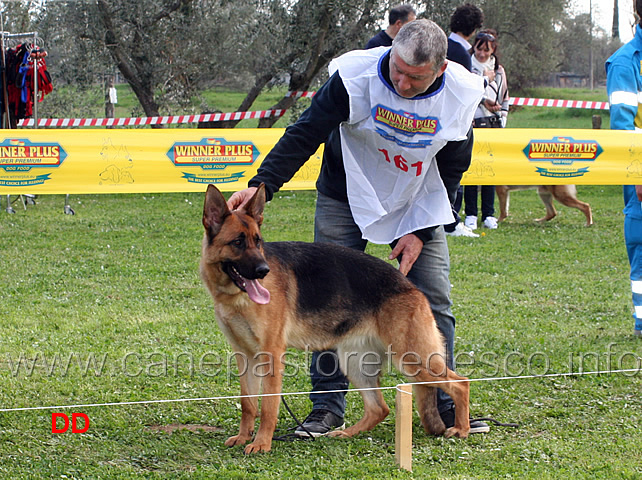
106, 307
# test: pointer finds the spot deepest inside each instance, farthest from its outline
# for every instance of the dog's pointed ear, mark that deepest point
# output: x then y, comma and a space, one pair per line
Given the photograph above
256, 204
215, 211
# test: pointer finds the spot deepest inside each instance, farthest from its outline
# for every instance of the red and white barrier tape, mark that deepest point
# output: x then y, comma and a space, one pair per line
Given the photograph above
549, 102
300, 94
221, 117
138, 121
526, 102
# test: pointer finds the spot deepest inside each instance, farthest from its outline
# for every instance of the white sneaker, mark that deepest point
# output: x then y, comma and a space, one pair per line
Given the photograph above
462, 230
471, 222
490, 222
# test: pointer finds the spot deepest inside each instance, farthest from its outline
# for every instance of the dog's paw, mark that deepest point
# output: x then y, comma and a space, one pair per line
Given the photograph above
338, 434
456, 432
237, 440
256, 447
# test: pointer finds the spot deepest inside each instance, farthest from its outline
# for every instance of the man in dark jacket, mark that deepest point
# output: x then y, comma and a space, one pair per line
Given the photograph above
397, 18
463, 25
385, 177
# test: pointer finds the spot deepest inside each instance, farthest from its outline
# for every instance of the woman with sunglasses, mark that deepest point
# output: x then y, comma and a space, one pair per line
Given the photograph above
491, 113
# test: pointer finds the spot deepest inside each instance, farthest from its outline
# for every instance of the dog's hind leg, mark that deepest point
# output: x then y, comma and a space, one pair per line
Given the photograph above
503, 194
358, 364
375, 410
457, 388
420, 357
567, 195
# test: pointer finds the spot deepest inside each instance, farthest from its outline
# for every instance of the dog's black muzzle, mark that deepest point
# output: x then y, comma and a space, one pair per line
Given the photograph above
239, 272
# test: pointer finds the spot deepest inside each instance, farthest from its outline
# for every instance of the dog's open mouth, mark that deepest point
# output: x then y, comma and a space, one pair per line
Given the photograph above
257, 292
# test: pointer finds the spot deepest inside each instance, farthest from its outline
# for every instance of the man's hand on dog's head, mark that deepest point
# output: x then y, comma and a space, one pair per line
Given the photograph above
240, 198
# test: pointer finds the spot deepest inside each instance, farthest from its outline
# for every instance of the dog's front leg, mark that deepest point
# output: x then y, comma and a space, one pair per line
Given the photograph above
250, 385
270, 369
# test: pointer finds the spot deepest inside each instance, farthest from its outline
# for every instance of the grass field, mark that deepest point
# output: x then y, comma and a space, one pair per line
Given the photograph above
106, 307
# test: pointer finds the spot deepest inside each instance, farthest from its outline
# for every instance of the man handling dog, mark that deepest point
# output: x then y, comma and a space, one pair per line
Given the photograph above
397, 127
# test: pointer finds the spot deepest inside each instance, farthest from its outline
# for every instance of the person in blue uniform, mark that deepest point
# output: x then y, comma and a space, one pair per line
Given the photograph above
624, 88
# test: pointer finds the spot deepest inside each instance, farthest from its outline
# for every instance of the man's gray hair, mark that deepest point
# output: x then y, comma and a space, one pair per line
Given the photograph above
421, 42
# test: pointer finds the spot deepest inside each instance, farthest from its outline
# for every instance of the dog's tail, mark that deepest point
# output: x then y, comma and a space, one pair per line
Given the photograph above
426, 398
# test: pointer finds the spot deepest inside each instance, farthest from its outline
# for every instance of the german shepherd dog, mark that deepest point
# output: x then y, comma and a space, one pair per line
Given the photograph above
315, 296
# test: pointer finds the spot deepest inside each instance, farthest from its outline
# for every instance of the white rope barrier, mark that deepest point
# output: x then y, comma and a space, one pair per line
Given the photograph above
236, 397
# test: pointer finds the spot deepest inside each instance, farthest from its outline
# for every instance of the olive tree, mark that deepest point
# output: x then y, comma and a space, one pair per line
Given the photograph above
169, 49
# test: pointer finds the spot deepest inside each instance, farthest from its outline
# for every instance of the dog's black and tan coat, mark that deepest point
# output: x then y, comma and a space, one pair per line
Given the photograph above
271, 296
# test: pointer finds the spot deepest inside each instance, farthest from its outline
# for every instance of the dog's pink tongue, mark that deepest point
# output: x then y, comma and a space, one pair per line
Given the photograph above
257, 292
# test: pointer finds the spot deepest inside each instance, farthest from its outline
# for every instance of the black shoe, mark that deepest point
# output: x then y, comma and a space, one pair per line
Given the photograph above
319, 423
476, 426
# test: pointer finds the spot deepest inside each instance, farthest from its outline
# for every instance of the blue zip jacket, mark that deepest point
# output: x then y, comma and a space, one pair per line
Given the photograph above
624, 88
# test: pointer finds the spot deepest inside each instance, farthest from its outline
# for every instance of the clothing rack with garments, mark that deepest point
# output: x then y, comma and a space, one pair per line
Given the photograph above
24, 81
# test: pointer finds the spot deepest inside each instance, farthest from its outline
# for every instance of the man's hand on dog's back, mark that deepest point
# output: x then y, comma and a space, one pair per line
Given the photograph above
240, 198
409, 247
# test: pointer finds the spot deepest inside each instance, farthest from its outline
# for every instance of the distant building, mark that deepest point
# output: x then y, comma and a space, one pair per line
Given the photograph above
569, 80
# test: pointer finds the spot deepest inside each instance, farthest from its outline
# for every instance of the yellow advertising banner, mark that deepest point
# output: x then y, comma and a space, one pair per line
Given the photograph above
184, 160
555, 157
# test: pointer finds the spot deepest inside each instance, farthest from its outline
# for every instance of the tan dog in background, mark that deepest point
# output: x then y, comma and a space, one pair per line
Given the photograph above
565, 194
317, 296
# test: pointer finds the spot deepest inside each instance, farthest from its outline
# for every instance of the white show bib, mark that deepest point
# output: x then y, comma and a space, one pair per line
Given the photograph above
389, 145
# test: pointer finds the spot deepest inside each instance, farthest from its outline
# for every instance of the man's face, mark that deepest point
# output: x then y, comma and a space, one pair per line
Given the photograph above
410, 81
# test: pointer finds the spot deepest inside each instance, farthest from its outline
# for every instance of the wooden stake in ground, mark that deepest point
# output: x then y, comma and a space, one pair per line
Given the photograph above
403, 427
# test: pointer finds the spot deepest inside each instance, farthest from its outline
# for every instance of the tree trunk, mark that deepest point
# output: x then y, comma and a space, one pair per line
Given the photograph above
145, 95
320, 56
616, 20
249, 99
127, 64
